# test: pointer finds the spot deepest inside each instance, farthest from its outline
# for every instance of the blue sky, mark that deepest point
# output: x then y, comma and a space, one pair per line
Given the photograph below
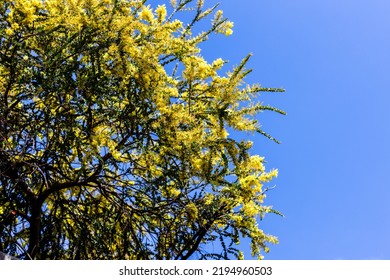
333, 59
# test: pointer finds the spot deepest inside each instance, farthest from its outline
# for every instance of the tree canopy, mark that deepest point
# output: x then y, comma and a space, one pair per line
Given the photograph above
114, 138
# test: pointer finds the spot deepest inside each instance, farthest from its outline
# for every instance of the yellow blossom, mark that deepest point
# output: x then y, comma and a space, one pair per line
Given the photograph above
161, 12
192, 211
146, 14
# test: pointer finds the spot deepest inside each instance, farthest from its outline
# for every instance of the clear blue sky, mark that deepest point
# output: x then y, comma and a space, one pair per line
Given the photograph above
333, 58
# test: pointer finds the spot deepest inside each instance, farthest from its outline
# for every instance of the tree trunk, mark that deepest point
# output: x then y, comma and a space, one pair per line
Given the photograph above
35, 228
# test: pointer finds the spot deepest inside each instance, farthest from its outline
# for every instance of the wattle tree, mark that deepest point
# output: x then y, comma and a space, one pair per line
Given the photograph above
114, 138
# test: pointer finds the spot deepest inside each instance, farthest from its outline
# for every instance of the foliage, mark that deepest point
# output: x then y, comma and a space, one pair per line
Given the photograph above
113, 134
